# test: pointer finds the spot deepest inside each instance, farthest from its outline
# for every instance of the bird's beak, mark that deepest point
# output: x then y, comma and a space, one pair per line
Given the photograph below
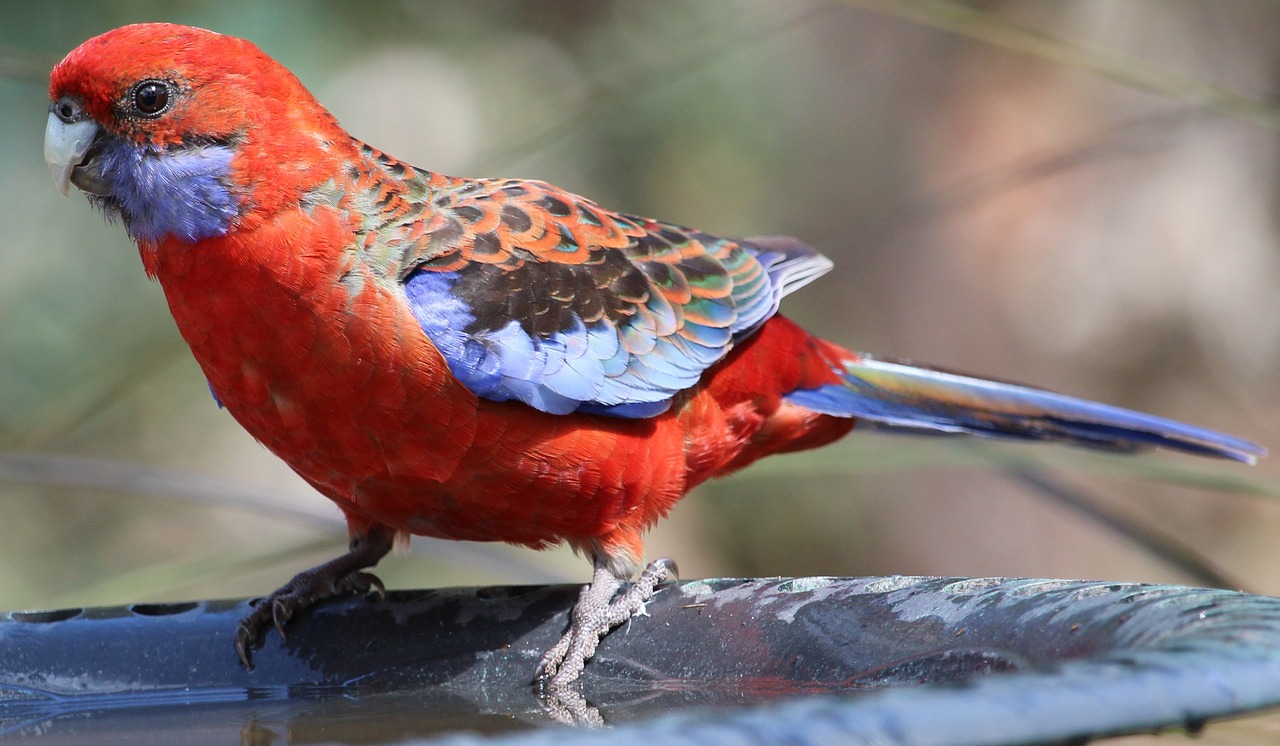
65, 146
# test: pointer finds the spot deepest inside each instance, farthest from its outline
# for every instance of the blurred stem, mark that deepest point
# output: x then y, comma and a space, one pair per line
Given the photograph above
980, 25
885, 455
21, 65
1127, 140
156, 582
614, 90
96, 395
70, 471
67, 470
1169, 549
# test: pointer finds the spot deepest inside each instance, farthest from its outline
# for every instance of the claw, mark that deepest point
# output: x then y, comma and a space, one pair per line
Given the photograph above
279, 616
376, 582
244, 641
335, 577
668, 568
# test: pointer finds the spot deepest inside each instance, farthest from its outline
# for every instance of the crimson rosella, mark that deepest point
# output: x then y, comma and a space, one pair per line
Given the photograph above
479, 359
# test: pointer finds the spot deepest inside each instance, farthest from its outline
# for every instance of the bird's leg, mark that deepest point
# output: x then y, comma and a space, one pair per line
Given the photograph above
333, 578
597, 612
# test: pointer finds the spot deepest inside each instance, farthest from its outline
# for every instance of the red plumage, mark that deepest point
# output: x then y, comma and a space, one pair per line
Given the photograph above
377, 423
474, 359
350, 392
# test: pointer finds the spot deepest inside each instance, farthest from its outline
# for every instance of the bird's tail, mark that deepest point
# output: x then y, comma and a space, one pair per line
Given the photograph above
898, 396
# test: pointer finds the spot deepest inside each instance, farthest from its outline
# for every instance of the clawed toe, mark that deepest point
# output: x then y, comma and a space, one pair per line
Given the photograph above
340, 576
246, 639
301, 593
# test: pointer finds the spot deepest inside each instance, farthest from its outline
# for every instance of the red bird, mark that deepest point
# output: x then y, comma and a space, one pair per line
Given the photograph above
479, 359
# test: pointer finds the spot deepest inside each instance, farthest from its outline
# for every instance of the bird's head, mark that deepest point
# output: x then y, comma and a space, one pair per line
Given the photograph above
181, 132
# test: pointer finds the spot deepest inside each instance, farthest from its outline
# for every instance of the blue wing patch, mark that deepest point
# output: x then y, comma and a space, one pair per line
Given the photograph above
628, 360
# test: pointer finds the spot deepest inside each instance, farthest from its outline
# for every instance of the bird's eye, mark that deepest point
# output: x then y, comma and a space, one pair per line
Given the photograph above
151, 97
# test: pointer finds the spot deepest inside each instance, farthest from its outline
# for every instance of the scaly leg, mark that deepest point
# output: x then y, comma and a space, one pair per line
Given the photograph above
597, 612
334, 578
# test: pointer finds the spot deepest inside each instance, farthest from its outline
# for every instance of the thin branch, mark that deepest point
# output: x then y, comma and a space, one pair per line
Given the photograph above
989, 28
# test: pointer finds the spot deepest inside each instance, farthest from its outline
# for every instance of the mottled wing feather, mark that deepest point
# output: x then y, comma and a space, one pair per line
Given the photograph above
541, 296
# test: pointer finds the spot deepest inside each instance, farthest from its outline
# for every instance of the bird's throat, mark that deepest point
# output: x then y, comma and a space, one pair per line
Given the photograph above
181, 193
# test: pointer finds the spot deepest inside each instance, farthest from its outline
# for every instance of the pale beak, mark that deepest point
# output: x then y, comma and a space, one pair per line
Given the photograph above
65, 146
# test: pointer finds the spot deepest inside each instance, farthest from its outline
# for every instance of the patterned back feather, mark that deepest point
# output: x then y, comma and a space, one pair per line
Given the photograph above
537, 295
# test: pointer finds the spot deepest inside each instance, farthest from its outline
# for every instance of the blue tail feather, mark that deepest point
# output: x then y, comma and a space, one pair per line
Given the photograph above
897, 396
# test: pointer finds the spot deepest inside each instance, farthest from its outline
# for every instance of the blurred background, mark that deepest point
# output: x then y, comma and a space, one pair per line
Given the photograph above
1078, 194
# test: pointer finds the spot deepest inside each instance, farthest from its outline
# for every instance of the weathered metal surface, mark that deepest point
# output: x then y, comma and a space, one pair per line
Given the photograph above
743, 661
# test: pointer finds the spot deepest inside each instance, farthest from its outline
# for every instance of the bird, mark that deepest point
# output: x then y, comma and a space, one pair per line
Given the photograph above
483, 359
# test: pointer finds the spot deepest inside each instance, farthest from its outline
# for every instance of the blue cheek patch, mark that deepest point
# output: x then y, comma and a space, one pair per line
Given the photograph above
181, 193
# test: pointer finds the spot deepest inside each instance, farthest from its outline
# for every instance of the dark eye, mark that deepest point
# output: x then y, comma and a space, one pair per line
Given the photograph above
151, 97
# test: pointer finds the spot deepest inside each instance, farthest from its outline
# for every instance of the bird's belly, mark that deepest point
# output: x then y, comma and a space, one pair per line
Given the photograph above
536, 479
347, 390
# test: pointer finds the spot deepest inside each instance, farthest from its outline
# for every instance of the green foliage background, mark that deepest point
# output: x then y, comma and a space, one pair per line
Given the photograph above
1076, 194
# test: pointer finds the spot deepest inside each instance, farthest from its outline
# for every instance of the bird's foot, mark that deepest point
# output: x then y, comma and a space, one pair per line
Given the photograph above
594, 615
305, 590
336, 577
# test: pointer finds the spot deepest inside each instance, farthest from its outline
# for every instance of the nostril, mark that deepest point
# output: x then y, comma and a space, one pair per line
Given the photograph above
67, 110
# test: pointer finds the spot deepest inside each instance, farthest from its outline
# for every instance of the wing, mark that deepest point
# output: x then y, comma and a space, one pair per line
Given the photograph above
537, 295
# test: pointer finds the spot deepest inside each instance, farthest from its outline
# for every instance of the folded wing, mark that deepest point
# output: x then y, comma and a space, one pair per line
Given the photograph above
543, 297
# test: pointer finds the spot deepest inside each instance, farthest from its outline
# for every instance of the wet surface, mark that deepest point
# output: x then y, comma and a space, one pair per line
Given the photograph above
809, 652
